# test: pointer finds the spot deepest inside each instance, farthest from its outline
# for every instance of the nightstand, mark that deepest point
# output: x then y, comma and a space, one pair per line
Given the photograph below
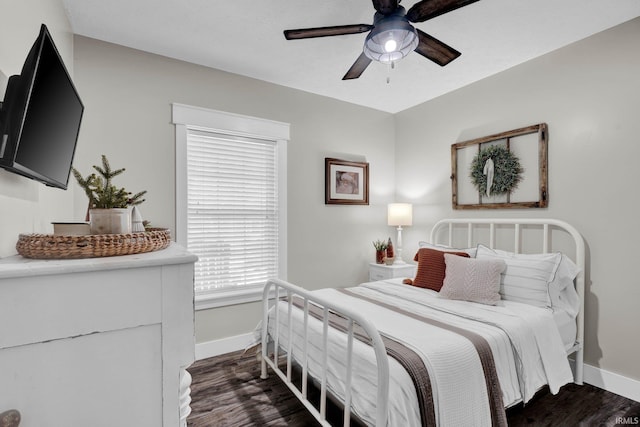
383, 271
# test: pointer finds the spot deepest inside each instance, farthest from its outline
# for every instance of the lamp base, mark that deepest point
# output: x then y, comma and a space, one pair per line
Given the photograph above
398, 260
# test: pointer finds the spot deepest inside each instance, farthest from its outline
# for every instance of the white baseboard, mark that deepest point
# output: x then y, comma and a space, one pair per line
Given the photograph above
615, 383
222, 346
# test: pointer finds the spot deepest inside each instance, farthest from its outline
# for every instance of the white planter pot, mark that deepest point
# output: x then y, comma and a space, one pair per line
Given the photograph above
110, 221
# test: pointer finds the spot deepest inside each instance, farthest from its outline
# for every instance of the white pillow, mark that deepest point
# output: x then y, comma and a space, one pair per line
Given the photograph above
527, 276
472, 279
562, 291
470, 251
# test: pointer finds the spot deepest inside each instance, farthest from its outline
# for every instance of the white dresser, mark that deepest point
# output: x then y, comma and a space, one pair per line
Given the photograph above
97, 342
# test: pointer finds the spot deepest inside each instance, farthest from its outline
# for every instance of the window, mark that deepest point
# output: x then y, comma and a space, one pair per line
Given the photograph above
230, 202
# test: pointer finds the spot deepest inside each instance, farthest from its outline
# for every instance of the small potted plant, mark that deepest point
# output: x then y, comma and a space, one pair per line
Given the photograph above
381, 250
108, 211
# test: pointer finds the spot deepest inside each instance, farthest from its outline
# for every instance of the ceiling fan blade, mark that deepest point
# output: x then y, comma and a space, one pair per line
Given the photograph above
433, 49
338, 30
358, 67
385, 7
427, 9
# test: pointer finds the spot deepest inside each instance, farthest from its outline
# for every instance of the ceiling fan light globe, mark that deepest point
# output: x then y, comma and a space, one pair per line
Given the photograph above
391, 39
390, 48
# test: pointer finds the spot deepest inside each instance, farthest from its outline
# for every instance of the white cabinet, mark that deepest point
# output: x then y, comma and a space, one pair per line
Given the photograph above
97, 342
384, 272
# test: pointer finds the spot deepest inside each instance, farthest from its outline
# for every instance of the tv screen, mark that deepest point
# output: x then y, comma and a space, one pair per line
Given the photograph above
40, 117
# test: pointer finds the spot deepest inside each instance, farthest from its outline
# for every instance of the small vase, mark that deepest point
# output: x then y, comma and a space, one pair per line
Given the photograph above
390, 253
380, 256
110, 221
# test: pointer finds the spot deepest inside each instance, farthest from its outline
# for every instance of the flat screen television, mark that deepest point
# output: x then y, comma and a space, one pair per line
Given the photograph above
40, 117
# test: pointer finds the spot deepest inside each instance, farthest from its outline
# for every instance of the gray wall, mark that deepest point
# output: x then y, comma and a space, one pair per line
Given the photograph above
128, 96
589, 95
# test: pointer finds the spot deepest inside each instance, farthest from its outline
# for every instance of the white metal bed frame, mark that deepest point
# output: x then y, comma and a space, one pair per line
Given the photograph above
378, 346
275, 289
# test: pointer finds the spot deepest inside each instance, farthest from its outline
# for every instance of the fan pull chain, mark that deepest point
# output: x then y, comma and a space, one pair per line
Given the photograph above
392, 65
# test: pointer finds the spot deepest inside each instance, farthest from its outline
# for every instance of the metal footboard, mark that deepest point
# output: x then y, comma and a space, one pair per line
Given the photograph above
273, 291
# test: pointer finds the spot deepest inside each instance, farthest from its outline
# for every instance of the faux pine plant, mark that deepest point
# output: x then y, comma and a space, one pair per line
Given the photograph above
102, 193
380, 245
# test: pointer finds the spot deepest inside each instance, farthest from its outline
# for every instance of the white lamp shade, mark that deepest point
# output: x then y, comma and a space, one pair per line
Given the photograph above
399, 214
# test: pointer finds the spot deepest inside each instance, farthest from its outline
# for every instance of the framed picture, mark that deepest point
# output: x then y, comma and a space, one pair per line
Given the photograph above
502, 171
346, 183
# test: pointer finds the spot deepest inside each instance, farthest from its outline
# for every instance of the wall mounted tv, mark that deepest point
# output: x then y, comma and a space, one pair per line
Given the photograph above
40, 117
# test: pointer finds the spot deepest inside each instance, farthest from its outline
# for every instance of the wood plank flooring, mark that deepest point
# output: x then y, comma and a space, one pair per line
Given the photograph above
227, 392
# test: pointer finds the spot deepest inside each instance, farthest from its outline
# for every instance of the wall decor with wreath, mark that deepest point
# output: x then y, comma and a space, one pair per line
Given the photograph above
501, 171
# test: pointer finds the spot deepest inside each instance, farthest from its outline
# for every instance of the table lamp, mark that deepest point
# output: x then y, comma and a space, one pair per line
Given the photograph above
399, 214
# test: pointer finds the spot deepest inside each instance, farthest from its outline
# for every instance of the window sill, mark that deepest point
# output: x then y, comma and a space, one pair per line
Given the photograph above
226, 298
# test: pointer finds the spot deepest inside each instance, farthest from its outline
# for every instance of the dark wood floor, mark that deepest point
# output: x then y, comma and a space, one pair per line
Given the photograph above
227, 391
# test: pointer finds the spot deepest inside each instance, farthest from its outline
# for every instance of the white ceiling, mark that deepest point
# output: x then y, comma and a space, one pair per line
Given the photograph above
245, 37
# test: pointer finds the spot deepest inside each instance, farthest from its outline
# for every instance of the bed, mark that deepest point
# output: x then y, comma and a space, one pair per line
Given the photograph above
392, 353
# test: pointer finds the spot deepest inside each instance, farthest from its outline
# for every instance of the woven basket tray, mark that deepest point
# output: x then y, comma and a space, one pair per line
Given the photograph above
52, 246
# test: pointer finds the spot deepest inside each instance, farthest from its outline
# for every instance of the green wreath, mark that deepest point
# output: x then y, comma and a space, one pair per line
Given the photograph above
506, 166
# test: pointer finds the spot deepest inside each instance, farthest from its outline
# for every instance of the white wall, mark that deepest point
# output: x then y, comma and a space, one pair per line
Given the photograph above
128, 96
27, 206
589, 95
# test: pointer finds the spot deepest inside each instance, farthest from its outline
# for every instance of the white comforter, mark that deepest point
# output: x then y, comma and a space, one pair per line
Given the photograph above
525, 342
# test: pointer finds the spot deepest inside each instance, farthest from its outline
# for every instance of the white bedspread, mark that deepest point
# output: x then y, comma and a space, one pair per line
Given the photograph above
525, 342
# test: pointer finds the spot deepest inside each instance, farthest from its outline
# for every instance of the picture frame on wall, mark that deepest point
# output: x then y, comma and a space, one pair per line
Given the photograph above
346, 182
507, 170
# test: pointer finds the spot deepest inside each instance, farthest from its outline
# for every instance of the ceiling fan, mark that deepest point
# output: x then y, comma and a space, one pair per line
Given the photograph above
392, 37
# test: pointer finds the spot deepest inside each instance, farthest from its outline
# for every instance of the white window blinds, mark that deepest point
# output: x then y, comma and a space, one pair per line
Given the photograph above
232, 210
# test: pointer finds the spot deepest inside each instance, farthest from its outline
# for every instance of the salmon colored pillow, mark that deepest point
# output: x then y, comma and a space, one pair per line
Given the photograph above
431, 267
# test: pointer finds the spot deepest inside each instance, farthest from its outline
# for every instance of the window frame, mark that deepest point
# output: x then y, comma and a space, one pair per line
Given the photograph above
186, 117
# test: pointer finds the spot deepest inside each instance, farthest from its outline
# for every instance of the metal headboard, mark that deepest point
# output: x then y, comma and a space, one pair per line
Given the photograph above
469, 227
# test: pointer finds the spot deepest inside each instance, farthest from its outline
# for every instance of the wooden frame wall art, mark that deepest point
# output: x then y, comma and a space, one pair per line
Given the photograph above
512, 164
346, 183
